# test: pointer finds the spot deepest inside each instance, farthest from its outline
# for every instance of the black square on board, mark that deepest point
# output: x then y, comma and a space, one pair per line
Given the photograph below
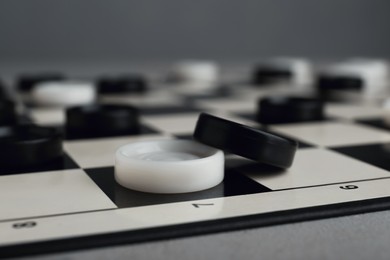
374, 154
233, 184
375, 122
62, 163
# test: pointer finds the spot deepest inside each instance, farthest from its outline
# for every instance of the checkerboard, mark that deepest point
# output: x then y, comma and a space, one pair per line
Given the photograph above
341, 167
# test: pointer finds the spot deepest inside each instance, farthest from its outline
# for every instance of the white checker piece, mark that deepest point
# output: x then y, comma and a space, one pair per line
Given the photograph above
184, 212
351, 111
101, 152
173, 124
333, 133
49, 193
311, 167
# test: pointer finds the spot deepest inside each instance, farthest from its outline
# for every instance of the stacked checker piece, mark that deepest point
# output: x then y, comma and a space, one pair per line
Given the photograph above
290, 109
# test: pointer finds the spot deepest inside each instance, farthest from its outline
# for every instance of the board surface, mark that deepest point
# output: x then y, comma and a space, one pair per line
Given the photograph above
340, 168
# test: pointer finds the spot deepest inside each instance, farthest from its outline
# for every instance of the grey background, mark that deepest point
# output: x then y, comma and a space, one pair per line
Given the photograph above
79, 30
39, 31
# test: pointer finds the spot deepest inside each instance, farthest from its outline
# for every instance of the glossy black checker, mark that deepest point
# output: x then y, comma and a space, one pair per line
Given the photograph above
62, 163
301, 144
374, 154
374, 122
233, 184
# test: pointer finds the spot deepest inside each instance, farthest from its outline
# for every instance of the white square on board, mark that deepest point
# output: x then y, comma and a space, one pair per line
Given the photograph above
333, 133
317, 167
351, 111
48, 193
173, 124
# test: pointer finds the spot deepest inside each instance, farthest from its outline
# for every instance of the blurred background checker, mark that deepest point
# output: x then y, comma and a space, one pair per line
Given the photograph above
3, 91
386, 112
298, 72
29, 145
354, 79
245, 141
7, 112
27, 82
122, 84
102, 120
195, 72
284, 109
63, 93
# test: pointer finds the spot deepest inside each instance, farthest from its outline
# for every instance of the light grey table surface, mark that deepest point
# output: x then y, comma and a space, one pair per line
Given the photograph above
365, 236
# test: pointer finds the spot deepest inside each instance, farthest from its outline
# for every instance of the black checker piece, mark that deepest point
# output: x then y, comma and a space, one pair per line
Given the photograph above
8, 114
95, 121
265, 73
286, 109
122, 84
166, 110
301, 144
245, 141
31, 148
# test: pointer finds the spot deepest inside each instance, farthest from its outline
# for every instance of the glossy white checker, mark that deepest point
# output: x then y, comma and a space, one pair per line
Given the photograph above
351, 111
173, 124
312, 167
48, 116
48, 193
101, 152
333, 133
185, 212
